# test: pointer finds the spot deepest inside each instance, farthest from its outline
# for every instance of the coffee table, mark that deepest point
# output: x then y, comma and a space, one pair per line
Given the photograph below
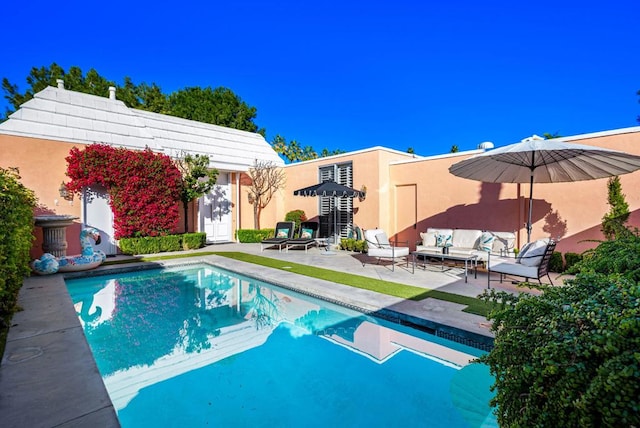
467, 259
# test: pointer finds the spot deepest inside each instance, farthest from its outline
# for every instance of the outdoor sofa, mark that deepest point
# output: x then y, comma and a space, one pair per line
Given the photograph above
468, 242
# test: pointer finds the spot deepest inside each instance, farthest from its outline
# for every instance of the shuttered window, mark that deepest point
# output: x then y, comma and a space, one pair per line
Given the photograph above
336, 214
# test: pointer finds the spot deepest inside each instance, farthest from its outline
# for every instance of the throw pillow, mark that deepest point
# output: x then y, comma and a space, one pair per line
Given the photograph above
444, 240
282, 233
523, 251
306, 233
383, 240
534, 254
485, 243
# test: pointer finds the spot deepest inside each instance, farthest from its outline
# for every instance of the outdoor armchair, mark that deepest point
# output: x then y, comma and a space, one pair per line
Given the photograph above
532, 262
379, 246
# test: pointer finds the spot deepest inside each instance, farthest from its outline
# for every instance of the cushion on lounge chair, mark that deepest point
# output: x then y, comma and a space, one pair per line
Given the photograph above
534, 252
282, 233
383, 240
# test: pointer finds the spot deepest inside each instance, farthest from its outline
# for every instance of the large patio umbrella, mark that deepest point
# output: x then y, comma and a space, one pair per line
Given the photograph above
332, 189
535, 159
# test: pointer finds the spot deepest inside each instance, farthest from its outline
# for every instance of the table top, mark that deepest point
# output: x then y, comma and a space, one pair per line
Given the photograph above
445, 256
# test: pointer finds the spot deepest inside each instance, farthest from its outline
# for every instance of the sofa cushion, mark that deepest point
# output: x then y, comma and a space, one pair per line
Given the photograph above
466, 238
509, 267
534, 252
504, 243
383, 240
485, 242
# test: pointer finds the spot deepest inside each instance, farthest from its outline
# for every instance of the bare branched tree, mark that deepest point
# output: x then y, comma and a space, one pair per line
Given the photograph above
266, 179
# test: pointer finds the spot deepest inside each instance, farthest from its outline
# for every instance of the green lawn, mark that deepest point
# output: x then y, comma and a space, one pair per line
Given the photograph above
474, 306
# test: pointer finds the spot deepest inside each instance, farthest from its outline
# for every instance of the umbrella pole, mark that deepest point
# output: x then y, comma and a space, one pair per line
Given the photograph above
530, 208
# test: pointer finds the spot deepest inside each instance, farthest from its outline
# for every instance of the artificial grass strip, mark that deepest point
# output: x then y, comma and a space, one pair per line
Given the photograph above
473, 305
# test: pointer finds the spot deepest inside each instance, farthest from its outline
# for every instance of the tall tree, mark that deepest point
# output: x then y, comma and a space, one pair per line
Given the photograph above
614, 221
266, 179
197, 180
454, 149
143, 96
294, 152
219, 106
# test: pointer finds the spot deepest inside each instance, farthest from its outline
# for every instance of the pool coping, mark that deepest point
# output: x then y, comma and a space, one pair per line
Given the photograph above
49, 378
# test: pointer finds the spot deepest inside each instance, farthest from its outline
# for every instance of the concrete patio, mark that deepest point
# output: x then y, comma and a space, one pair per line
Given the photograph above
48, 377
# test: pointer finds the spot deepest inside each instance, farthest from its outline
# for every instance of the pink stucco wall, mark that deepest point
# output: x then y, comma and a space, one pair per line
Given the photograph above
42, 169
406, 195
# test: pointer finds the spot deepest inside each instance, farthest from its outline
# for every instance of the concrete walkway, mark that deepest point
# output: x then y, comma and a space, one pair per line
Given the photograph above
48, 377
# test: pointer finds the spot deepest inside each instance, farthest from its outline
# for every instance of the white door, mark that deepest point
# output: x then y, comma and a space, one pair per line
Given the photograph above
97, 213
215, 211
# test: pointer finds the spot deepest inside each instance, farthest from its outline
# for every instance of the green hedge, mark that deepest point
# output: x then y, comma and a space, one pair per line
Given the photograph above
16, 237
556, 263
351, 244
160, 244
253, 235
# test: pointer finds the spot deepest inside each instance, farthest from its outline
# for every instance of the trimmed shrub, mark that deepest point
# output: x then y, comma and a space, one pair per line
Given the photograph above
159, 244
296, 216
570, 260
170, 243
16, 236
556, 264
252, 235
351, 244
193, 241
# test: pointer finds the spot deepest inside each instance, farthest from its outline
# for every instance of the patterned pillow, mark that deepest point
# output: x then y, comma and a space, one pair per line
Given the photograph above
534, 253
444, 240
306, 233
523, 251
282, 233
485, 243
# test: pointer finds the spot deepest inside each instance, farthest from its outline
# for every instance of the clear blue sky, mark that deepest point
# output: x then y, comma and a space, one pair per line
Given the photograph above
351, 75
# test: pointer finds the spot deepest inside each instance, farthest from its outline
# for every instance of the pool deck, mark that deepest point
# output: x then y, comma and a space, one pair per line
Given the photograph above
48, 377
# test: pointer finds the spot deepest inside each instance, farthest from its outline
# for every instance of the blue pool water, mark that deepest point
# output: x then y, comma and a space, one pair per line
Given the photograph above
200, 346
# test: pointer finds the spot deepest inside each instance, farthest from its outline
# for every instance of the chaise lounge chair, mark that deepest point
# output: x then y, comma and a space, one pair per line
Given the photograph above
378, 245
532, 262
284, 232
306, 237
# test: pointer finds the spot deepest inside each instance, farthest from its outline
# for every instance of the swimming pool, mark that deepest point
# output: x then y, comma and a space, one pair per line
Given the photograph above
197, 345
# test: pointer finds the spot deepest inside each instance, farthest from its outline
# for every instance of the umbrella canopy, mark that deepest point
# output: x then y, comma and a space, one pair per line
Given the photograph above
329, 188
333, 189
536, 160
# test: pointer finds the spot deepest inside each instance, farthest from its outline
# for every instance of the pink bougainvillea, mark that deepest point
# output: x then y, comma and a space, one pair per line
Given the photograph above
144, 187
